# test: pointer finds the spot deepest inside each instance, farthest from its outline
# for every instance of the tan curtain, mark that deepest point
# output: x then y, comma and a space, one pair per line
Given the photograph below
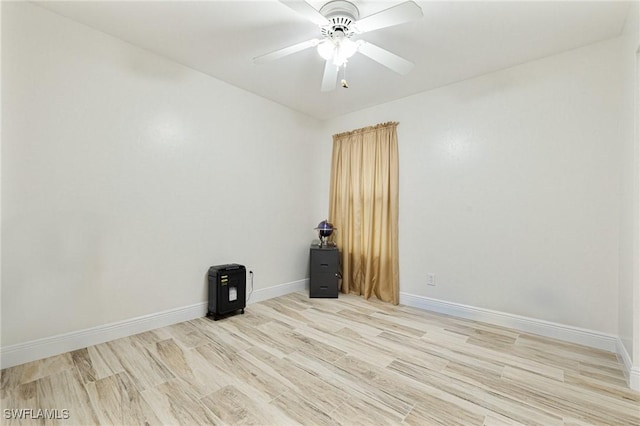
363, 207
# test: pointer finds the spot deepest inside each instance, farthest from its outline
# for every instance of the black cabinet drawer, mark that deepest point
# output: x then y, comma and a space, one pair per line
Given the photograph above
324, 285
324, 260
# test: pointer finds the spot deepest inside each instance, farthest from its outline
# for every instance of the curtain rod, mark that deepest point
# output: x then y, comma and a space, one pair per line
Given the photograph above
367, 129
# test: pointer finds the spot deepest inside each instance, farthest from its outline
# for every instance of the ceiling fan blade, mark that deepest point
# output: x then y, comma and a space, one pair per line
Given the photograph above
386, 58
395, 15
286, 51
306, 10
330, 76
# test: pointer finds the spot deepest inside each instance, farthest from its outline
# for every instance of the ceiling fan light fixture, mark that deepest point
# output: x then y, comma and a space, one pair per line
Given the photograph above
326, 49
347, 48
338, 50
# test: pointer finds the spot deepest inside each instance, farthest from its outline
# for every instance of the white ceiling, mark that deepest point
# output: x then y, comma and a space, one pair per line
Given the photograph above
454, 41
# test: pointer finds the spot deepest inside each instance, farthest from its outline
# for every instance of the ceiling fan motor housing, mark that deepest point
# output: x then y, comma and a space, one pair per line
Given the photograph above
342, 16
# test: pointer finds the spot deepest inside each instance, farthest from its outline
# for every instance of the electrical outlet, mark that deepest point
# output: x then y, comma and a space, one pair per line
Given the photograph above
431, 279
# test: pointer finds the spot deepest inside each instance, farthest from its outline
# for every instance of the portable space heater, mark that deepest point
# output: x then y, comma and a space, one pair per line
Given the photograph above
227, 290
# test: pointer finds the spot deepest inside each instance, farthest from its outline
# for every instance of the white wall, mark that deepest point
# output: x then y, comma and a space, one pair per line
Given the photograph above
510, 188
629, 304
125, 176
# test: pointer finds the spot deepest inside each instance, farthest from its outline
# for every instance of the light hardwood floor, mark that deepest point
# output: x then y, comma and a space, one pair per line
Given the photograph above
295, 360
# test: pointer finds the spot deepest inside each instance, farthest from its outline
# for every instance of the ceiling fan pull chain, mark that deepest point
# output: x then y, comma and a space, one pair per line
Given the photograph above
343, 83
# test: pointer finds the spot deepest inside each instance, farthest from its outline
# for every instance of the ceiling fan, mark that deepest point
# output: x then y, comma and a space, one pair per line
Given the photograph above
340, 22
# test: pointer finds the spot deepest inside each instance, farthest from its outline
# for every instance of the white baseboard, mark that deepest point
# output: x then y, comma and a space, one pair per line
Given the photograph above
634, 378
278, 290
631, 373
41, 348
49, 346
563, 332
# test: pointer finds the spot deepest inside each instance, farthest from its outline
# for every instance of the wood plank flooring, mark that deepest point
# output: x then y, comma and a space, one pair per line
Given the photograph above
295, 360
